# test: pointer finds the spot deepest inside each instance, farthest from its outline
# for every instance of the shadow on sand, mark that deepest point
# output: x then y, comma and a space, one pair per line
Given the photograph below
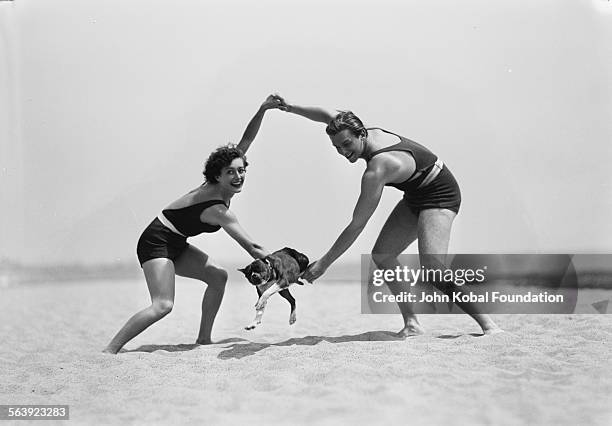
242, 350
182, 347
456, 336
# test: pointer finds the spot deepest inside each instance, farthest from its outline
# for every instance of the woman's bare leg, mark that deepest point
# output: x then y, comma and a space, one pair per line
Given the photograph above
434, 228
159, 274
194, 263
398, 232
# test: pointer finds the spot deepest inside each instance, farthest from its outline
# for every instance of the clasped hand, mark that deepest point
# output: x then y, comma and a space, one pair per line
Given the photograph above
314, 271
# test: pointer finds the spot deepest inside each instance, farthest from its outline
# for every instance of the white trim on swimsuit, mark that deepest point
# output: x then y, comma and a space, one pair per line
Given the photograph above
164, 220
435, 170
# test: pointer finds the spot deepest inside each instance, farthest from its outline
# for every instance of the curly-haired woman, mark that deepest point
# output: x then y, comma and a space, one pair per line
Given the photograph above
163, 250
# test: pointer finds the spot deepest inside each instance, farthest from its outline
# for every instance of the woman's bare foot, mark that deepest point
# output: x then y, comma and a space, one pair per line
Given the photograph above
487, 324
492, 330
412, 328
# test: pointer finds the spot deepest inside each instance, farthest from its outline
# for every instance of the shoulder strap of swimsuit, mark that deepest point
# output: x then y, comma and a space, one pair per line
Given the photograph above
386, 131
211, 203
395, 147
203, 205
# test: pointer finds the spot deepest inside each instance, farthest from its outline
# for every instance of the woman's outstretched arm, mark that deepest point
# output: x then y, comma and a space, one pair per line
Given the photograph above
224, 217
314, 113
372, 185
253, 127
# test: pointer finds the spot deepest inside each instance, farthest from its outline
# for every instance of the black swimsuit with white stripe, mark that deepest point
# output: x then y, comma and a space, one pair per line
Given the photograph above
159, 241
443, 192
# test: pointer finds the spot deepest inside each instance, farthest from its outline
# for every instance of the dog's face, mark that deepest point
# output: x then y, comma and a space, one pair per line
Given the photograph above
258, 272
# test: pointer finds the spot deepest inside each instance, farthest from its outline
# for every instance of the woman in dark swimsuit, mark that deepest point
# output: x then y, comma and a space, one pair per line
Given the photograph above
163, 250
426, 213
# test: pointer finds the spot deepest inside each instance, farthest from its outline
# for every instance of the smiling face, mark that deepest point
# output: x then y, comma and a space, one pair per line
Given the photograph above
232, 176
348, 145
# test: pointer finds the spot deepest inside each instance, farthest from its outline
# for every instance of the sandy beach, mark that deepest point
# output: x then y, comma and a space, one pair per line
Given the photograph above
334, 366
109, 111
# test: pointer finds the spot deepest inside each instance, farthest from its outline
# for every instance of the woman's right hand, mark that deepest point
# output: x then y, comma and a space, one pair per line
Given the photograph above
272, 102
314, 271
283, 105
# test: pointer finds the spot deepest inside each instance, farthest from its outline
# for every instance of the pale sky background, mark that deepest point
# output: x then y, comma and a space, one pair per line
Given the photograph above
108, 110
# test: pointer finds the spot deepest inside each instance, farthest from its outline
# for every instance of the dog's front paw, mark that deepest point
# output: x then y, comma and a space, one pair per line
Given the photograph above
292, 318
250, 326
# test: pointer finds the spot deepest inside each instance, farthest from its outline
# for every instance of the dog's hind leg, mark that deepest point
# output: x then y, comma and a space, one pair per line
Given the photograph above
285, 293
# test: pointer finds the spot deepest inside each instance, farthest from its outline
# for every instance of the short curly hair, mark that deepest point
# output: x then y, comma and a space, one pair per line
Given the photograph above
220, 158
346, 120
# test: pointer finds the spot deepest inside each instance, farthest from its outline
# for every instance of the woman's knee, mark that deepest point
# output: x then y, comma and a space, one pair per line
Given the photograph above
383, 260
218, 278
162, 307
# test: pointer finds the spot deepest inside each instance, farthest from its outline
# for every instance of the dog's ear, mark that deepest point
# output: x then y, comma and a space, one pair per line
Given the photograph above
245, 271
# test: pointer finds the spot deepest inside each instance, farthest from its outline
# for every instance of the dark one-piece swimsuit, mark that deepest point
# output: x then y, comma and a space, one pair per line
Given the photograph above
432, 185
169, 240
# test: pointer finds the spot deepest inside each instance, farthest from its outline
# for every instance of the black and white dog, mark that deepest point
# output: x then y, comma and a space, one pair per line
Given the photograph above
274, 274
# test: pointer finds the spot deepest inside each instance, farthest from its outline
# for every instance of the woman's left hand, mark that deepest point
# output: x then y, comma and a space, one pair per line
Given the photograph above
314, 271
